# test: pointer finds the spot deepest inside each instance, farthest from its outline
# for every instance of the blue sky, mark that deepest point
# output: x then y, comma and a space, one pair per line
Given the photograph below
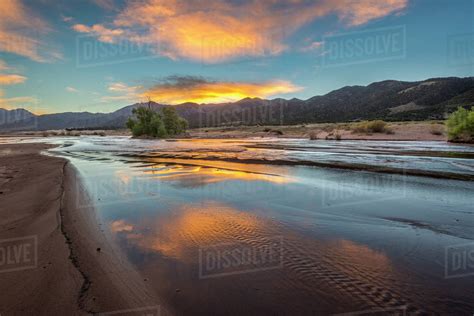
176, 51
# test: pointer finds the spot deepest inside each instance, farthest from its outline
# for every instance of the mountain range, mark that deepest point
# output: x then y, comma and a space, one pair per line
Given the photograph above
389, 100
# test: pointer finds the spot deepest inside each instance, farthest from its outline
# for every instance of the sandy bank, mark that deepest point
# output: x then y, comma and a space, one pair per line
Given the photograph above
401, 131
31, 186
49, 238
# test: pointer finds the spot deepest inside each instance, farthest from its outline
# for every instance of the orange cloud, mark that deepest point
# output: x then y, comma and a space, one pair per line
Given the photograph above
176, 90
13, 103
12, 79
122, 92
21, 30
356, 12
8, 79
221, 30
104, 34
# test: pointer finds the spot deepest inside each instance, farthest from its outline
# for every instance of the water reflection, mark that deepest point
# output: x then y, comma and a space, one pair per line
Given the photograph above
198, 172
335, 270
179, 232
340, 253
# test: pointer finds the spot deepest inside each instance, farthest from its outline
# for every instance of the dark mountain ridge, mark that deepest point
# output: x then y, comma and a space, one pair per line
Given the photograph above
388, 100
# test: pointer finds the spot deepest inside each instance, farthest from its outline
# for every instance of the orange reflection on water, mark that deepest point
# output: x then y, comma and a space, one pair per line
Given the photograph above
180, 232
362, 253
360, 262
123, 176
120, 226
195, 172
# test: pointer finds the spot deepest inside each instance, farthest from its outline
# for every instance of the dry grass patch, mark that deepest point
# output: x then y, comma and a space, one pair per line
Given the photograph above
369, 127
436, 129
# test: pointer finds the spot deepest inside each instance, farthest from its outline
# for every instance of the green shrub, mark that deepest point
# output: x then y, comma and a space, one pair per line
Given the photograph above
377, 126
460, 126
156, 124
174, 124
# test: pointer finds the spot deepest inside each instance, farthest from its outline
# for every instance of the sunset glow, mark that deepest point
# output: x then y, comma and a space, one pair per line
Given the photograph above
217, 92
102, 55
236, 157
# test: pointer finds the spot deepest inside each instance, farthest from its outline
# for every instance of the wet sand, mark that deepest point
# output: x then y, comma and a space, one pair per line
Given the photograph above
63, 272
31, 186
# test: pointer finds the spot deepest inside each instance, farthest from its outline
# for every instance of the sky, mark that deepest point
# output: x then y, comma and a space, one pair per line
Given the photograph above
101, 55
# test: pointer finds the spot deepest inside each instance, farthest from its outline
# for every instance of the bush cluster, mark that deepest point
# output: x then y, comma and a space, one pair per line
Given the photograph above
367, 127
147, 122
460, 126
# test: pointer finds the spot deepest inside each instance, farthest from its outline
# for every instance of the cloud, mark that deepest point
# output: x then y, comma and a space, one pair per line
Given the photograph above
104, 34
9, 79
122, 92
312, 46
4, 101
355, 12
21, 32
218, 31
66, 18
72, 90
12, 79
176, 90
15, 102
122, 87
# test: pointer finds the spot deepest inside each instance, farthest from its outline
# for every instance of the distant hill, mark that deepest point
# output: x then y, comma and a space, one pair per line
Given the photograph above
14, 116
388, 100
